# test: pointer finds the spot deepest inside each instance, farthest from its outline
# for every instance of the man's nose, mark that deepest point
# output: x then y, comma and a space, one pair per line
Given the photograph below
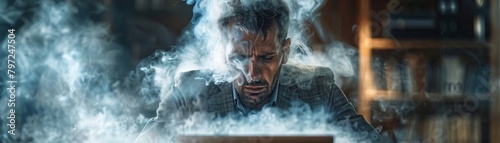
254, 70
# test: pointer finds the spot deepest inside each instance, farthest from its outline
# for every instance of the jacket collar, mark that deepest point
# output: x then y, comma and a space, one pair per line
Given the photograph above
285, 96
223, 101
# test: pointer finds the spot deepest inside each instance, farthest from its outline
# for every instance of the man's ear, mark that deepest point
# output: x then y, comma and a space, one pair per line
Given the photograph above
286, 50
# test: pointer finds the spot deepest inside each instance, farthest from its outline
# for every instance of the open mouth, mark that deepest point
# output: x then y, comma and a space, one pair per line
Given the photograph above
254, 89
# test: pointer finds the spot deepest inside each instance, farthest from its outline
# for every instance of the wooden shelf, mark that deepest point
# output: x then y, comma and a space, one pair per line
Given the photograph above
368, 93
385, 95
387, 43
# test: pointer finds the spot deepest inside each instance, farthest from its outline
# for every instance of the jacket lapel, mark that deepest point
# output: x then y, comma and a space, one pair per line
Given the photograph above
222, 101
285, 97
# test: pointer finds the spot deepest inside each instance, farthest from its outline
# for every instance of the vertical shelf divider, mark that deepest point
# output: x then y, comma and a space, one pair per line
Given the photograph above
495, 66
365, 73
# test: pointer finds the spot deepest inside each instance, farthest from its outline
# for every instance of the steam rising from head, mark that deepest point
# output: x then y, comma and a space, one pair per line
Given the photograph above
204, 47
257, 17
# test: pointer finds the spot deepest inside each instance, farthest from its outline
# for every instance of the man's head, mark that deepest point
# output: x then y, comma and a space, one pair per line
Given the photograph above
257, 32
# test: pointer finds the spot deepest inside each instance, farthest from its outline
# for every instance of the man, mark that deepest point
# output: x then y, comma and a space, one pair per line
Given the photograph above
259, 50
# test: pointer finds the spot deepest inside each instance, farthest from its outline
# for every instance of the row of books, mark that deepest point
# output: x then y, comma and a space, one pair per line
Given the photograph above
441, 129
447, 75
442, 19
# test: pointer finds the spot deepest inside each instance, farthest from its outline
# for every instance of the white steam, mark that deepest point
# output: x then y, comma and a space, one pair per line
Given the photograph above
67, 67
66, 82
269, 122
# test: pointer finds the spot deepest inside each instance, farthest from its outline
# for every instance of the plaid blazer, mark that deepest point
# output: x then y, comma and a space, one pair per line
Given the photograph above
314, 86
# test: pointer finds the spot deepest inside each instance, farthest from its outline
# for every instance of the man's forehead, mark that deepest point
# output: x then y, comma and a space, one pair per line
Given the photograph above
237, 32
248, 44
245, 38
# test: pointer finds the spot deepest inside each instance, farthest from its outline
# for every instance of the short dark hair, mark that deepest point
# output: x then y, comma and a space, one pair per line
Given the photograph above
258, 16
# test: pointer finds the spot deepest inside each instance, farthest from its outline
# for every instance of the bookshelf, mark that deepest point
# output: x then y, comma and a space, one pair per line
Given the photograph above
426, 116
386, 43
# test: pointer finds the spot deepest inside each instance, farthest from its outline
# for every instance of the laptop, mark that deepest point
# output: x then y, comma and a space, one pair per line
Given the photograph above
254, 139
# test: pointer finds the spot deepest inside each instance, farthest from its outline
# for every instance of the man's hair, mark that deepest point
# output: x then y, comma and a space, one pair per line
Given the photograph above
258, 16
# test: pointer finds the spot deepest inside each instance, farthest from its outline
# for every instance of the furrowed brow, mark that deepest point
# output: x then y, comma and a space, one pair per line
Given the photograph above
268, 54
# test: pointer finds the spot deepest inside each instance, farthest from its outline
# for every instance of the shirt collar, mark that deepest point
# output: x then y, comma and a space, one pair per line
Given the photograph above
243, 109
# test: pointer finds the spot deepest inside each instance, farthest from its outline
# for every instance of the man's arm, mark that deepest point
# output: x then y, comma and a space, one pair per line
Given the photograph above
346, 117
166, 111
149, 133
174, 107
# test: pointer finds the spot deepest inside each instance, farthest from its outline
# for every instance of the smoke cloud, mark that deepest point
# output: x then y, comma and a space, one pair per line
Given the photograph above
66, 70
70, 91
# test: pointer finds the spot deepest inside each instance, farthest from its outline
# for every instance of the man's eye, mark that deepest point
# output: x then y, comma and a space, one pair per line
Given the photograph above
267, 58
238, 58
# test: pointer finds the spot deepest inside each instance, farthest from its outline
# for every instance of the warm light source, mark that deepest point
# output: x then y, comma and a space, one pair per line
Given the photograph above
479, 27
480, 3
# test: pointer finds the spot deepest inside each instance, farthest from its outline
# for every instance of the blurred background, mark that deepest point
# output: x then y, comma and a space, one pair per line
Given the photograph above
424, 70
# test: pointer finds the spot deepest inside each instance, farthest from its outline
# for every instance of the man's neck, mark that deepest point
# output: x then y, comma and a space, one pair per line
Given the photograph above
255, 106
242, 105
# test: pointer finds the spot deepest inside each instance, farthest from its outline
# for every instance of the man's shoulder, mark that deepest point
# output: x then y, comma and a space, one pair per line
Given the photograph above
307, 69
197, 75
302, 75
194, 82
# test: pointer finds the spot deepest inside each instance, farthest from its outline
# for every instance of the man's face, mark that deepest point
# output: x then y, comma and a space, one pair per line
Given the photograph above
258, 61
